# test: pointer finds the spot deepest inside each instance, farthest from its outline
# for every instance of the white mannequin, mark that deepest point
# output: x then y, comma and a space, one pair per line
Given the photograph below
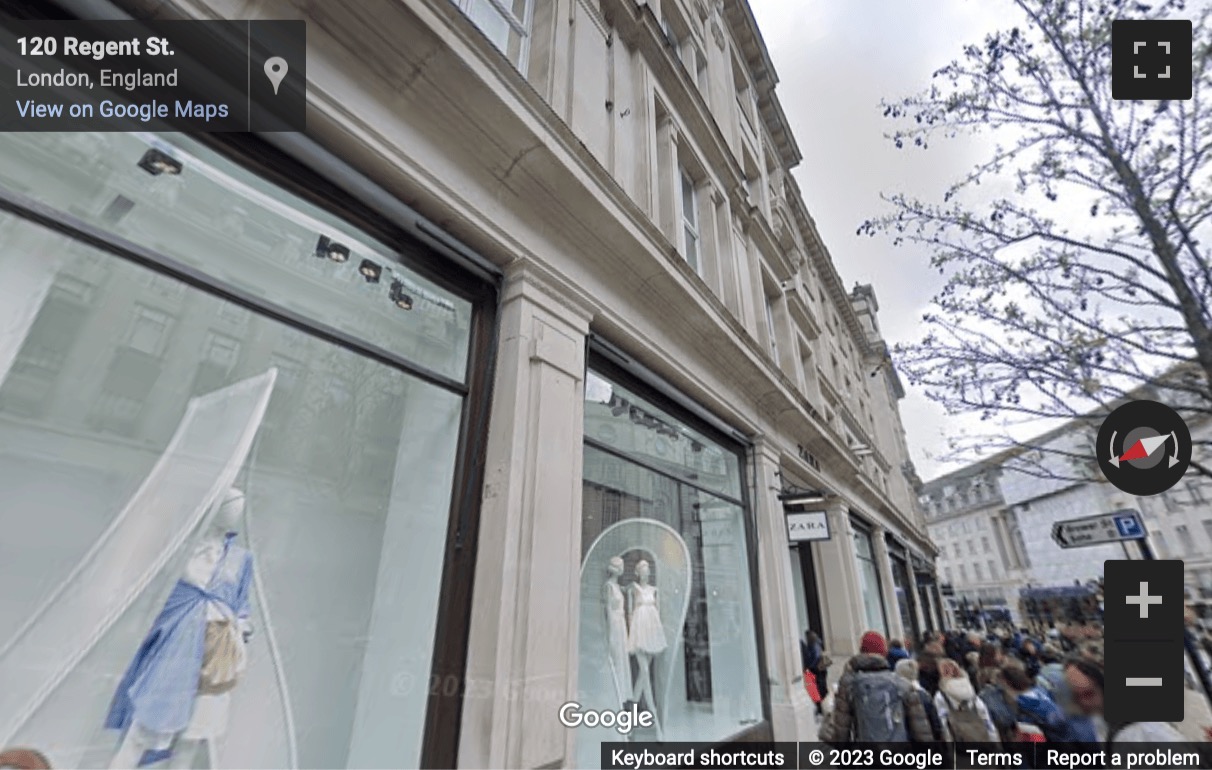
227, 518
646, 638
613, 602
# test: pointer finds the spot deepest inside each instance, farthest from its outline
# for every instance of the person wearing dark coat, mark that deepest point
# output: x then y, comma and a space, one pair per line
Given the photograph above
927, 671
896, 653
811, 654
1030, 658
872, 660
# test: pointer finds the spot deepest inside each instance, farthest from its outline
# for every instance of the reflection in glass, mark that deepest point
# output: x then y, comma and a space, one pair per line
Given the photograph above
648, 502
627, 422
128, 407
869, 582
217, 217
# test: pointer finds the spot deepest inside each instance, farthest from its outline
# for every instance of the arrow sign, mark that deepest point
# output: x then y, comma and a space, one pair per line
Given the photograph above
1111, 527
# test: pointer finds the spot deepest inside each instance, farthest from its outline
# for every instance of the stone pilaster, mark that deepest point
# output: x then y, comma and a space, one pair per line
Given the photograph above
883, 561
841, 601
791, 709
522, 653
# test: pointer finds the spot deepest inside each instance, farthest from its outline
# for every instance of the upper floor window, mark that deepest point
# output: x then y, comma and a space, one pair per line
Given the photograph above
771, 329
505, 22
685, 46
699, 68
148, 330
690, 220
1184, 539
744, 99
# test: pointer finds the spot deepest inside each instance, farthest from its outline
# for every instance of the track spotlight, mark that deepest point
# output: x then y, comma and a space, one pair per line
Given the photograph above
328, 248
156, 163
402, 300
370, 271
618, 406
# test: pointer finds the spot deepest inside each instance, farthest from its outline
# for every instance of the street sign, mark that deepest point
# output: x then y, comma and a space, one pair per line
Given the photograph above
1111, 527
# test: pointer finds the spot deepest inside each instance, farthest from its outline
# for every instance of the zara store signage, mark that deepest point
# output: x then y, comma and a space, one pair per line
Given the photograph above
808, 525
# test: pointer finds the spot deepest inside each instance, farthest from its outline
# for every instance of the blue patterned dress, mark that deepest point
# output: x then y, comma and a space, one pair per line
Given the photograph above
157, 692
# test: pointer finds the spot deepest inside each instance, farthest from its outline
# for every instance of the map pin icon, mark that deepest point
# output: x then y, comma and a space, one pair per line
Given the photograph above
275, 70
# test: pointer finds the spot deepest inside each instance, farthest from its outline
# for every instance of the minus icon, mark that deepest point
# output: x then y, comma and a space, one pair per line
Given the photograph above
1143, 681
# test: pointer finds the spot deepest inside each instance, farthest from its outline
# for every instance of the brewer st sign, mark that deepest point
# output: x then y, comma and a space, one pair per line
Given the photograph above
1124, 524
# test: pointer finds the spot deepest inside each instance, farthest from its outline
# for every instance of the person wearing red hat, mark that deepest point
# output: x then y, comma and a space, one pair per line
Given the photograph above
873, 643
872, 703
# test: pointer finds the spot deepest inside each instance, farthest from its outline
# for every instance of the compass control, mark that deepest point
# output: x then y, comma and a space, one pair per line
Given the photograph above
1144, 448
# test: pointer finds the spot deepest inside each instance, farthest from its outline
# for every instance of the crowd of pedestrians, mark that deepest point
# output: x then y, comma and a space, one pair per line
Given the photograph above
968, 687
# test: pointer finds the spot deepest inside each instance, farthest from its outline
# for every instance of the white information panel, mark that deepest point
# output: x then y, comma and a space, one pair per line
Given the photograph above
811, 525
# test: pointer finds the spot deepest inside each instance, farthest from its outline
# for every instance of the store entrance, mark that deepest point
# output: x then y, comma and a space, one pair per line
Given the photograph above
807, 596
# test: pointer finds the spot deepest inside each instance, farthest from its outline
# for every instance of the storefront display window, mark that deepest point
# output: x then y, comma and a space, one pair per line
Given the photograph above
224, 533
869, 581
904, 598
667, 608
209, 214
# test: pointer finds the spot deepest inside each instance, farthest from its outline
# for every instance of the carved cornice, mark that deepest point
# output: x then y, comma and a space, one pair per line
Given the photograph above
556, 294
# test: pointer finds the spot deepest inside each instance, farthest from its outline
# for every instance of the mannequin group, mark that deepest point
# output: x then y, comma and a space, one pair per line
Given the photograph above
173, 701
638, 632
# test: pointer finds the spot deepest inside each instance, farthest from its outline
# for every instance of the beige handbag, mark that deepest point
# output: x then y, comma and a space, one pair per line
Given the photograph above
222, 658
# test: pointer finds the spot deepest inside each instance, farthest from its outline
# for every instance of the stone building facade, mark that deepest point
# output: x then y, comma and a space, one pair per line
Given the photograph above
567, 307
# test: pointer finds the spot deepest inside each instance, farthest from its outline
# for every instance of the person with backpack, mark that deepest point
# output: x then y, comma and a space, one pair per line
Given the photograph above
907, 669
927, 668
873, 704
1051, 675
964, 716
1002, 704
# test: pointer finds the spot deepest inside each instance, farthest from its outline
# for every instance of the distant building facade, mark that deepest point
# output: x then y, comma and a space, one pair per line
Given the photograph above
1013, 500
981, 553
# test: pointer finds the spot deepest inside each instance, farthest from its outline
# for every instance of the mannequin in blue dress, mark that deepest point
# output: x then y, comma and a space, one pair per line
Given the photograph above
173, 700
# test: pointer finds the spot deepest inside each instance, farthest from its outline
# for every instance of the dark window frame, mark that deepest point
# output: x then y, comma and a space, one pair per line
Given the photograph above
868, 531
439, 747
604, 358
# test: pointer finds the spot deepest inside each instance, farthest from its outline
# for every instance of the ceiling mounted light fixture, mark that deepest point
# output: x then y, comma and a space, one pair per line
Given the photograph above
402, 300
327, 248
371, 271
156, 162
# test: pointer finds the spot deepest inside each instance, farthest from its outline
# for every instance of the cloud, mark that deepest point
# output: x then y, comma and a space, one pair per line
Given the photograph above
835, 66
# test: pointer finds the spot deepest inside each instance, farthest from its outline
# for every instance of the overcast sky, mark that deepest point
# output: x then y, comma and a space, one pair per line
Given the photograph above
835, 65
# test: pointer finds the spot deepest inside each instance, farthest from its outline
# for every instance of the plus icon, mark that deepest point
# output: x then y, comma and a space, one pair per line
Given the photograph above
1144, 600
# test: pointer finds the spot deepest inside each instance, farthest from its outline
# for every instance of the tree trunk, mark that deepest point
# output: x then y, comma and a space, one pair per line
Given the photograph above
1163, 249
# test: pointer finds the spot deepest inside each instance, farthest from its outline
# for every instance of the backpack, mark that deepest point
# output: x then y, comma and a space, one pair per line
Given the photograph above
1003, 714
966, 724
877, 698
936, 724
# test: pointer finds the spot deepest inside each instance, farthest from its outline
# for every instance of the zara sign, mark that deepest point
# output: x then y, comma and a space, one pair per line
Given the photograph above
812, 525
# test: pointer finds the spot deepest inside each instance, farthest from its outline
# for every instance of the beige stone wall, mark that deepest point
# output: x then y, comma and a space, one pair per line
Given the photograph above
554, 173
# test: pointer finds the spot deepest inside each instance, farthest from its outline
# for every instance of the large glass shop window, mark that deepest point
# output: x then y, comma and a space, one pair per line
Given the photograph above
904, 597
667, 615
223, 535
869, 581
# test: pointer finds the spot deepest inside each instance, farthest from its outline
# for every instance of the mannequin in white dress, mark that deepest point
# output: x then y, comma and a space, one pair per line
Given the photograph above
645, 638
616, 630
215, 559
